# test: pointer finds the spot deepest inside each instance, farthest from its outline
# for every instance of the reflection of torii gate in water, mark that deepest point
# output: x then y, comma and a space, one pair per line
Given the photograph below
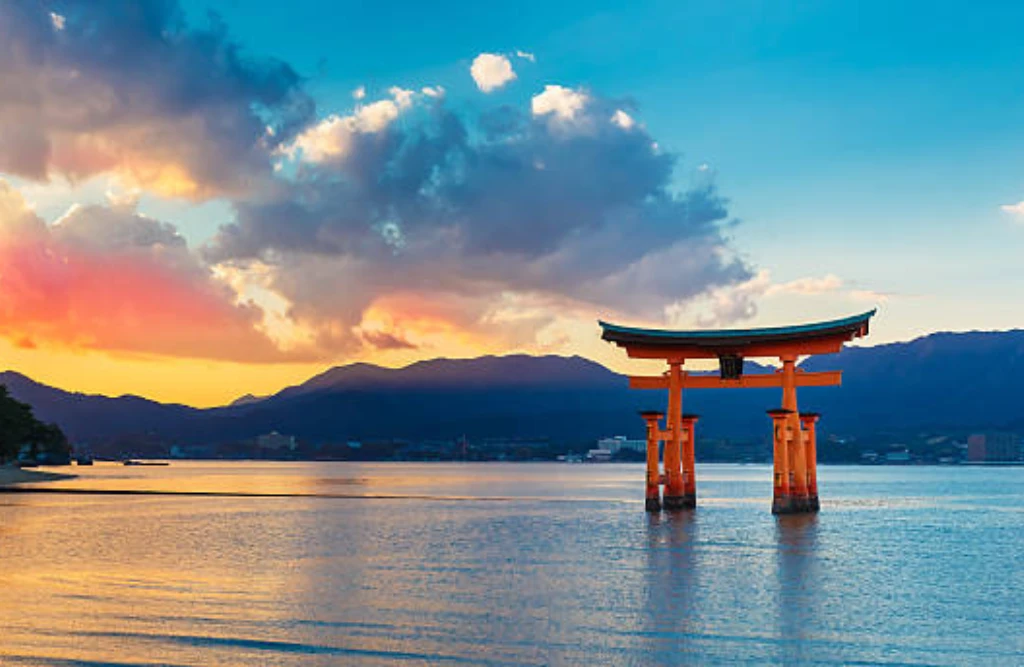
796, 482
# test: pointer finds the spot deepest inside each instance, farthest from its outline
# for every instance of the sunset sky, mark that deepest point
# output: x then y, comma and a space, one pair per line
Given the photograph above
200, 200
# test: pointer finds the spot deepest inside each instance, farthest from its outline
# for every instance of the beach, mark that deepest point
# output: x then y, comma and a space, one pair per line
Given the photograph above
10, 475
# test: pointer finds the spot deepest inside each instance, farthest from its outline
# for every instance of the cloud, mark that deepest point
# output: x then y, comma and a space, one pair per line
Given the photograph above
398, 224
870, 296
730, 304
491, 71
467, 210
807, 286
560, 102
403, 97
107, 278
332, 137
129, 88
383, 340
1014, 209
525, 55
623, 120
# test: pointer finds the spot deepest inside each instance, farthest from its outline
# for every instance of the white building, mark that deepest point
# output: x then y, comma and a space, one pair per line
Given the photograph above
617, 443
275, 440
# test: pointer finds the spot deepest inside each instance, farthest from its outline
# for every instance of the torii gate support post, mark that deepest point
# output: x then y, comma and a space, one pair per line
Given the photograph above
781, 500
795, 456
654, 436
689, 461
809, 420
674, 498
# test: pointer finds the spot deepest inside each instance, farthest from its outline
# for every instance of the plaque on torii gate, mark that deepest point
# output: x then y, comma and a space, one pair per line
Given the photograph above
795, 485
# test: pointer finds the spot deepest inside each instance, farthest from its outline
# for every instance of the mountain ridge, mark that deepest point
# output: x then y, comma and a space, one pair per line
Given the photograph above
943, 380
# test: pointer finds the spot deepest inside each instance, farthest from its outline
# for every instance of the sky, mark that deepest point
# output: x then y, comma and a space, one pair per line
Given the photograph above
200, 200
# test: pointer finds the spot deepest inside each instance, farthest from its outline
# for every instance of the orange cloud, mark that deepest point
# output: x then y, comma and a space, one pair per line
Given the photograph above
133, 158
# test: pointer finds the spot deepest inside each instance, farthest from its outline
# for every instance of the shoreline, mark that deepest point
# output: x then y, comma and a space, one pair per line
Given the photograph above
10, 476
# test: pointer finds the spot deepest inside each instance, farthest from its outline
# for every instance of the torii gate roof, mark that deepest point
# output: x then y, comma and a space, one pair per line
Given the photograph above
812, 338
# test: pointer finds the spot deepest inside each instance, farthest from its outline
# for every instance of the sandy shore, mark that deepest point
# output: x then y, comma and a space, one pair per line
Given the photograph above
10, 475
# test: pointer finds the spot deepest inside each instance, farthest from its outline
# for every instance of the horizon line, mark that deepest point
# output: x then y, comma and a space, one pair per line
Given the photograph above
860, 344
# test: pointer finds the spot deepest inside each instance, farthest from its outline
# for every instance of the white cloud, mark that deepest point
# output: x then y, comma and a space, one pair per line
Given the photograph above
57, 20
123, 198
870, 296
807, 286
733, 304
563, 102
526, 55
1014, 209
359, 93
376, 116
433, 91
623, 119
331, 138
491, 71
403, 97
728, 305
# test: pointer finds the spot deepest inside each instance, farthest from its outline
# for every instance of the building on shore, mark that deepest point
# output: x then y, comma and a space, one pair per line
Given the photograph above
615, 444
993, 447
276, 441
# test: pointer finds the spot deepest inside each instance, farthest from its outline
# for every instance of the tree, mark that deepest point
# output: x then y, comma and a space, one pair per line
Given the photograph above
18, 427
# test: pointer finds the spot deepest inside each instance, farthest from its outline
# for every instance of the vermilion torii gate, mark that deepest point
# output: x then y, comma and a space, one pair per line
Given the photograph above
795, 446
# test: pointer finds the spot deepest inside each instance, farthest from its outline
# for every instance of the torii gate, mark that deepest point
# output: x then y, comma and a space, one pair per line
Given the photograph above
795, 446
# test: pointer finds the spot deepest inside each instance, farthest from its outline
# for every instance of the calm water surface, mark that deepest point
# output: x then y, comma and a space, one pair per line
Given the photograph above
502, 564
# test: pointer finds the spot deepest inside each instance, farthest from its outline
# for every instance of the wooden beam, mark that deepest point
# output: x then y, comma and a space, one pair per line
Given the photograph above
822, 379
648, 382
751, 351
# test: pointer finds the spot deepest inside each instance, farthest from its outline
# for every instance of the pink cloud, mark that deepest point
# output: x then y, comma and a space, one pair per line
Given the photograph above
58, 295
110, 279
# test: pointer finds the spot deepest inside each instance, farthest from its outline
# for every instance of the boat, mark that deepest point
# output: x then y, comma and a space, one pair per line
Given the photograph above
136, 462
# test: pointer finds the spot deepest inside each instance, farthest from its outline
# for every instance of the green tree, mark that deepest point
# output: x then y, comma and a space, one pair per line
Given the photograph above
18, 427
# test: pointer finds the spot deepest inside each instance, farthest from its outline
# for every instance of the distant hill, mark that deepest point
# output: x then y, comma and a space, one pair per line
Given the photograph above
973, 379
90, 417
246, 400
512, 396
957, 381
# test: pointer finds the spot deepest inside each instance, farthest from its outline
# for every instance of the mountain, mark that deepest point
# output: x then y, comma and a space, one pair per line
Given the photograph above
88, 417
512, 396
246, 400
957, 381
490, 372
970, 380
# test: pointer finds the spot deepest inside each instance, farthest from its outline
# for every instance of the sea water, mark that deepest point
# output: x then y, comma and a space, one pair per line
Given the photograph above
509, 564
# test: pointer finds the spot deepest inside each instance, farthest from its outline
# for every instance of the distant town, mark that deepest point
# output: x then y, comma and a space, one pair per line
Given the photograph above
995, 447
